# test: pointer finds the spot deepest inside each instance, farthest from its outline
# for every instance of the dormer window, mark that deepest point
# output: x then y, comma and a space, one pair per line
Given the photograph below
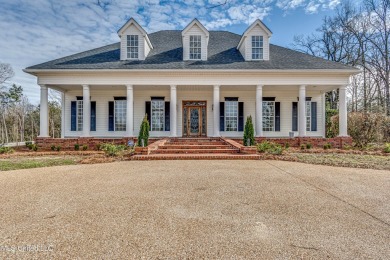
132, 46
195, 47
257, 47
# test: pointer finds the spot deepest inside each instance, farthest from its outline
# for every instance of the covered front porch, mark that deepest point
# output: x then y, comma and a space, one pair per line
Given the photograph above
116, 111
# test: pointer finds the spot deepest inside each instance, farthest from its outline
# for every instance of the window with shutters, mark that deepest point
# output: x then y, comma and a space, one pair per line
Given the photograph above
195, 47
257, 47
308, 115
132, 46
268, 116
231, 115
120, 115
79, 114
158, 115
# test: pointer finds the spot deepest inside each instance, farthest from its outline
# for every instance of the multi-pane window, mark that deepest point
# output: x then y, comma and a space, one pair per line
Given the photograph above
120, 115
257, 47
268, 116
158, 115
195, 47
231, 115
308, 115
79, 115
132, 46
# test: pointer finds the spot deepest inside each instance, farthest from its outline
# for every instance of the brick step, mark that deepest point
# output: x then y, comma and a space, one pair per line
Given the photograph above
196, 143
192, 140
192, 151
194, 146
196, 157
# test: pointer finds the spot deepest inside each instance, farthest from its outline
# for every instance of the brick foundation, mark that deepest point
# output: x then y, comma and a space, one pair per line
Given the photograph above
92, 143
336, 142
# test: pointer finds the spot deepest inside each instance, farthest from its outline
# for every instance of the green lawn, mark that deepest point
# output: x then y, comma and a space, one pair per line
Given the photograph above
27, 163
345, 160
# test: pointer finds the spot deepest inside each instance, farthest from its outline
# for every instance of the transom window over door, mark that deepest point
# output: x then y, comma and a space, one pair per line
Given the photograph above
195, 47
132, 46
231, 115
158, 115
257, 47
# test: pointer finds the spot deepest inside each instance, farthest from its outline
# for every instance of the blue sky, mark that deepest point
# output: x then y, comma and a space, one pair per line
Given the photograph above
35, 31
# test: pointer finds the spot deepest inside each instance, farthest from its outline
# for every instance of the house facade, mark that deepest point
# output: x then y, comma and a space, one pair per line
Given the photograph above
192, 83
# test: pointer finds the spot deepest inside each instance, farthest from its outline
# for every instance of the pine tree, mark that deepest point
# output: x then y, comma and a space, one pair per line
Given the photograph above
144, 132
249, 132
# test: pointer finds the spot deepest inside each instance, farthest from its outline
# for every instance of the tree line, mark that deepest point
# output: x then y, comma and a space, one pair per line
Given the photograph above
357, 35
19, 118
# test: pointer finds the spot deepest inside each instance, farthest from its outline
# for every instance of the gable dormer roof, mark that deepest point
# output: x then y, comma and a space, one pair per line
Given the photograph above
195, 22
131, 22
259, 23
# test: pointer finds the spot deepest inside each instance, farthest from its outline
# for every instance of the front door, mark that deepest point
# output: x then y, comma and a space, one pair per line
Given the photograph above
194, 118
194, 122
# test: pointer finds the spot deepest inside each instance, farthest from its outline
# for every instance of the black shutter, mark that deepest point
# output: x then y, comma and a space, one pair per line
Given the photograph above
73, 117
93, 116
277, 116
240, 116
167, 116
295, 116
148, 111
111, 116
221, 116
313, 116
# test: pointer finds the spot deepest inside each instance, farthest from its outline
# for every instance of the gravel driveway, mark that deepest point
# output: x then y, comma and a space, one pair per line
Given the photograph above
195, 209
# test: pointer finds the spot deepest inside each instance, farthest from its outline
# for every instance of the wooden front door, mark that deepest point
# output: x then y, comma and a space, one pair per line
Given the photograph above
194, 118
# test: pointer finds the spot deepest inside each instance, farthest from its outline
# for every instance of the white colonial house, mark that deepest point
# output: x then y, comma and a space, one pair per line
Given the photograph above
192, 83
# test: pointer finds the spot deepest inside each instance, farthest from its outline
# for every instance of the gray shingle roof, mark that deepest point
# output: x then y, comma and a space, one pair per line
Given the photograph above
168, 54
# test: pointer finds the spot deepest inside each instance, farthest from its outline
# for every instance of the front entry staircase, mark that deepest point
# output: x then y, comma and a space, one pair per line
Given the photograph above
194, 149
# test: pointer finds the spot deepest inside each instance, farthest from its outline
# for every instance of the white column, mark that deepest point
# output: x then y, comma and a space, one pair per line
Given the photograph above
216, 110
259, 110
343, 118
173, 111
44, 113
323, 104
302, 111
86, 111
62, 114
129, 111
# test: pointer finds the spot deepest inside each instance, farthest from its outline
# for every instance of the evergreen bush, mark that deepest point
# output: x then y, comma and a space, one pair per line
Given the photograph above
144, 132
249, 132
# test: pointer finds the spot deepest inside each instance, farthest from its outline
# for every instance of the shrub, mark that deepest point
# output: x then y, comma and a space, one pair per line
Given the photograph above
269, 147
144, 132
34, 147
249, 132
112, 149
28, 144
76, 147
364, 128
303, 146
263, 146
53, 147
387, 148
98, 147
309, 146
6, 150
85, 147
58, 148
287, 145
327, 146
